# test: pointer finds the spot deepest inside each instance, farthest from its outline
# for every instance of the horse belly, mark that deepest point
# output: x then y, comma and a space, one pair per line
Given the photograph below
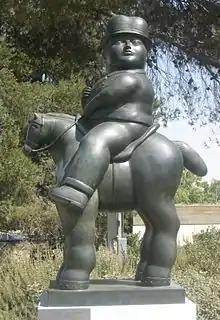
115, 190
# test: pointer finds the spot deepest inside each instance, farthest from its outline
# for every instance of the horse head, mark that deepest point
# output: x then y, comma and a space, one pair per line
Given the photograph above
44, 130
39, 134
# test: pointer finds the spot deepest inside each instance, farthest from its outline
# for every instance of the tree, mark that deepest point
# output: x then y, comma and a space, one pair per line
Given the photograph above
22, 181
194, 189
62, 37
191, 190
214, 192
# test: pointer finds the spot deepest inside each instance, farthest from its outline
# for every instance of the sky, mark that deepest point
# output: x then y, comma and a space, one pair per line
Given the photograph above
181, 130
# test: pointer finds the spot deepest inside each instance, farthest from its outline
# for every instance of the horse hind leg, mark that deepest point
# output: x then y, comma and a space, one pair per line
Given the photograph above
144, 250
162, 248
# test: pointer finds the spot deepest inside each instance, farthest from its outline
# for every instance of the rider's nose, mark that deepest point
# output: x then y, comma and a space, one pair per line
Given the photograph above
127, 43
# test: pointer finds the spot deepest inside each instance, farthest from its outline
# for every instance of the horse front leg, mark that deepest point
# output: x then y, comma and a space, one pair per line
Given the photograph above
79, 246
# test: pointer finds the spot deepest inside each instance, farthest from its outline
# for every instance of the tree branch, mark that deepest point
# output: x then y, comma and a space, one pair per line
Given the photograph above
203, 59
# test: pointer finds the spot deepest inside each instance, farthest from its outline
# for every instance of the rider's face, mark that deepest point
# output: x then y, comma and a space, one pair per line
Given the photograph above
125, 52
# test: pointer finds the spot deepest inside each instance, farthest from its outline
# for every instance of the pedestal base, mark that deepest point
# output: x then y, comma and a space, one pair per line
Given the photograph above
149, 312
118, 300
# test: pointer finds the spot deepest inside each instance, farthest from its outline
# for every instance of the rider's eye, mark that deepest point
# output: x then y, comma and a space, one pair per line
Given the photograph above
118, 42
136, 41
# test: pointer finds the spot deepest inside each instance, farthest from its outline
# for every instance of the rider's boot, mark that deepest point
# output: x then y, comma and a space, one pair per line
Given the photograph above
73, 192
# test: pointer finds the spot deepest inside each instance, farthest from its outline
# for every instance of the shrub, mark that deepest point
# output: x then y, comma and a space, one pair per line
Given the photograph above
22, 99
23, 282
203, 255
36, 218
202, 290
21, 179
197, 269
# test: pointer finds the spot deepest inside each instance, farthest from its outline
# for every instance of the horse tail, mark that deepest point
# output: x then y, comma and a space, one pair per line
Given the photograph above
191, 159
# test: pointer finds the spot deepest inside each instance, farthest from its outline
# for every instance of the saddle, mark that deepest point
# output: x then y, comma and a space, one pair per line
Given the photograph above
125, 154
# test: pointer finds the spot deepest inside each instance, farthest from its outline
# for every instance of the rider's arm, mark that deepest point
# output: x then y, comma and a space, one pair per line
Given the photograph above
118, 92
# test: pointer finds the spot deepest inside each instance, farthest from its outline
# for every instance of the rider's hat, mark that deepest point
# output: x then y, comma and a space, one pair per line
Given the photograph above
121, 24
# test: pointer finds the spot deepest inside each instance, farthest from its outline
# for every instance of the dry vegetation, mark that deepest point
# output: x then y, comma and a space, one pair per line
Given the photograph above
22, 280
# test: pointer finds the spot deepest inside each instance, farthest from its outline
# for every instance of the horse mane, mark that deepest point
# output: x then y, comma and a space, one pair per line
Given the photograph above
60, 115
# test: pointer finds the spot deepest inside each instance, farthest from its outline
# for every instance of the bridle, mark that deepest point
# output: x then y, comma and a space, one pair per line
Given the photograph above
45, 148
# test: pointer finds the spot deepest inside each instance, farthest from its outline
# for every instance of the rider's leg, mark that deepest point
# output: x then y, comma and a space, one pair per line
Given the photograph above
88, 166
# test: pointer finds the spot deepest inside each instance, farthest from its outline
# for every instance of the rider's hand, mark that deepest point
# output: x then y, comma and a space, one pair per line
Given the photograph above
85, 95
87, 91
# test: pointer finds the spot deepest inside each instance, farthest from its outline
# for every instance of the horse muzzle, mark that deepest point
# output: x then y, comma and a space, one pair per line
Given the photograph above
27, 150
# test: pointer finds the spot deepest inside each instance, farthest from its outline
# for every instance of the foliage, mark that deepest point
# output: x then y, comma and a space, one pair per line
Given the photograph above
133, 248
23, 282
202, 290
37, 219
213, 195
193, 253
59, 29
23, 183
194, 189
20, 100
17, 173
196, 270
62, 38
101, 230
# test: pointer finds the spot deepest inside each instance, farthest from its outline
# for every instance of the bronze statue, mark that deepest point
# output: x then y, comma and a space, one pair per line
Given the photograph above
118, 109
112, 159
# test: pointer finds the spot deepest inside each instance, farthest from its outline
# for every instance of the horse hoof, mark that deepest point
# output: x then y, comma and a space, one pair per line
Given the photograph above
72, 279
72, 285
155, 282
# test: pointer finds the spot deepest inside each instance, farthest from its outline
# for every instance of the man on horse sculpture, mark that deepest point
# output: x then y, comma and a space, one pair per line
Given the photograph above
118, 108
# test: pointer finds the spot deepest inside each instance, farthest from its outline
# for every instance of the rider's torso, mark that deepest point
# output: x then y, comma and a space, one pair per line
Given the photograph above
139, 106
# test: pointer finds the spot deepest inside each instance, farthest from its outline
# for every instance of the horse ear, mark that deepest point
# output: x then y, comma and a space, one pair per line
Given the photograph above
36, 116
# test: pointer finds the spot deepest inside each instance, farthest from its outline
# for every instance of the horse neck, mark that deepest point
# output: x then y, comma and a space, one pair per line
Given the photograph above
64, 148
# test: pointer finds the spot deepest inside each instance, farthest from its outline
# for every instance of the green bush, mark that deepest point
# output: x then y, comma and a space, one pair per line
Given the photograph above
203, 255
23, 280
18, 175
197, 269
202, 290
22, 99
21, 179
36, 218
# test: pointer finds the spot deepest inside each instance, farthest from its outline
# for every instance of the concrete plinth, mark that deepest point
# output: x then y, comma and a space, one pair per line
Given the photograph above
118, 300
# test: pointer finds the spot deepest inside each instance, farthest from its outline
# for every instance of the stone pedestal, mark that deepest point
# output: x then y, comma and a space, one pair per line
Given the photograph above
118, 300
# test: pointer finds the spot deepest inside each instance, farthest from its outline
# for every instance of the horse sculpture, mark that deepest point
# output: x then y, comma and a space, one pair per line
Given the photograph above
146, 182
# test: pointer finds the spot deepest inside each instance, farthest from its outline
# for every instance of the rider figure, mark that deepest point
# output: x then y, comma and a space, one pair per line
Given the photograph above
118, 108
